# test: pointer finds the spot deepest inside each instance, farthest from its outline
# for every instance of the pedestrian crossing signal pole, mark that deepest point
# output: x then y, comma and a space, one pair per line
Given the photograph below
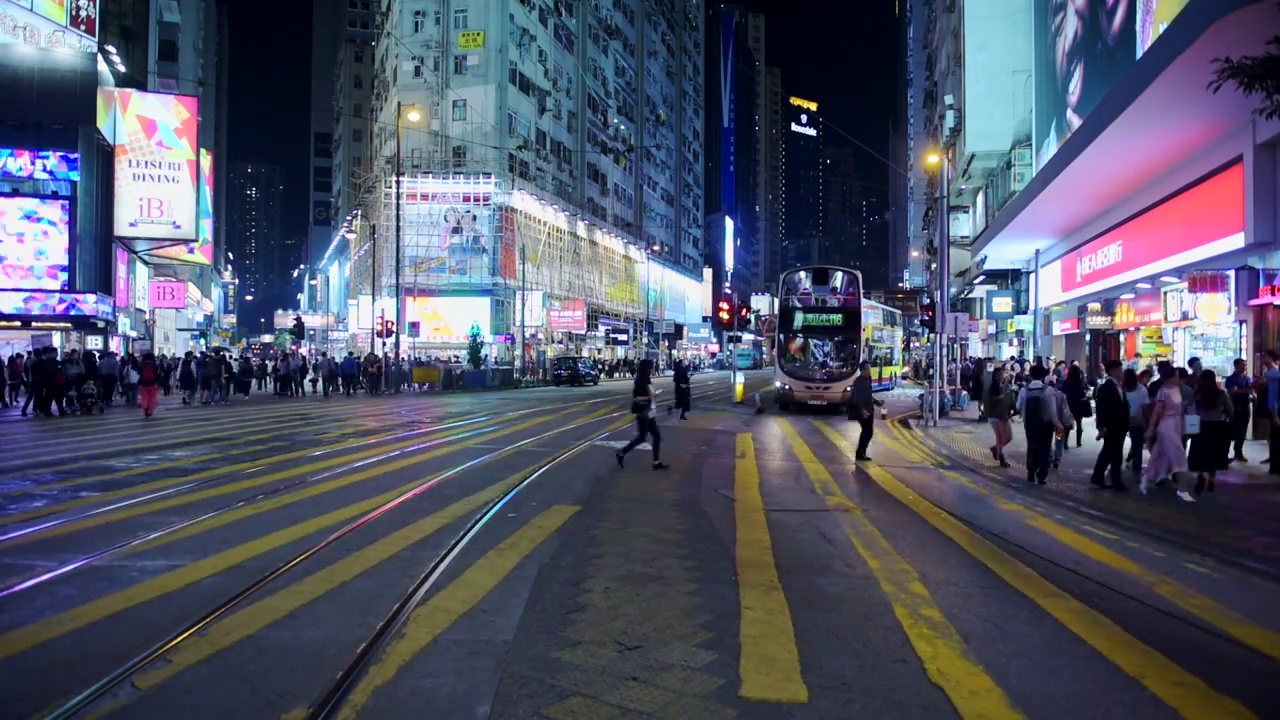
943, 274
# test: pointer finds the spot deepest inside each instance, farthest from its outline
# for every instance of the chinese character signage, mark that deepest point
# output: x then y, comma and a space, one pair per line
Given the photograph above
568, 316
50, 24
156, 165
471, 40
1001, 304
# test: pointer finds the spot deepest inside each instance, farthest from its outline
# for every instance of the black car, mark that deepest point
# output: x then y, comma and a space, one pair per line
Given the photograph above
574, 370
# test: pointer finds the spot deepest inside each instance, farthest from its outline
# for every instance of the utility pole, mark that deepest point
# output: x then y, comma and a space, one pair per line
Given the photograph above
373, 278
524, 298
944, 286
399, 242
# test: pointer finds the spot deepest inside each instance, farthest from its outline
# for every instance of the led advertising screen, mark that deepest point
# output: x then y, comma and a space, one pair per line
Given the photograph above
35, 243
448, 319
156, 166
1083, 47
39, 164
569, 316
122, 278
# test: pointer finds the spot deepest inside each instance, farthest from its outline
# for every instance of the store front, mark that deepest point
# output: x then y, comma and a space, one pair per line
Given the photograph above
1200, 321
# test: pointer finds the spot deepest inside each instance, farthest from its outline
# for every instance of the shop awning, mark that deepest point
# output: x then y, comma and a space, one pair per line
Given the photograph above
1156, 119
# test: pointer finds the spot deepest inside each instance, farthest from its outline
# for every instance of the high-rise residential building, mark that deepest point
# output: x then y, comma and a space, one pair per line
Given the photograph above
550, 146
342, 50
85, 88
771, 191
920, 138
801, 215
732, 123
254, 230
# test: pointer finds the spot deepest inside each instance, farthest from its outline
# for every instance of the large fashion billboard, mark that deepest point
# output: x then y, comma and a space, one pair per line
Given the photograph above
448, 319
156, 165
448, 233
1082, 48
199, 252
35, 243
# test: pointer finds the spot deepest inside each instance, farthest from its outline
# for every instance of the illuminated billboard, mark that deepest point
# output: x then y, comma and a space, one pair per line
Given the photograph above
448, 234
1081, 50
35, 243
728, 246
67, 25
199, 252
156, 165
448, 319
39, 164
168, 294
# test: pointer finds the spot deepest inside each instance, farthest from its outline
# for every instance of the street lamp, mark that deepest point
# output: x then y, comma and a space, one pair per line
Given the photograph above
942, 265
411, 114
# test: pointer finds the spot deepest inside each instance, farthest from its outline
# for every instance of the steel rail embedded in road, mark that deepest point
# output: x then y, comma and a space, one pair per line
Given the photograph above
95, 692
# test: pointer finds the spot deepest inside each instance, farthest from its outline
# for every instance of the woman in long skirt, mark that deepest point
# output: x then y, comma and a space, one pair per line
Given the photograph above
1164, 435
1211, 447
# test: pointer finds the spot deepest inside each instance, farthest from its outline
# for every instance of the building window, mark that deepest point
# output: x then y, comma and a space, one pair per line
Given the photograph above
358, 56
459, 109
435, 64
357, 135
540, 138
364, 24
357, 81
459, 64
460, 19
357, 109
351, 24
352, 5
417, 71
511, 123
459, 152
513, 73
419, 21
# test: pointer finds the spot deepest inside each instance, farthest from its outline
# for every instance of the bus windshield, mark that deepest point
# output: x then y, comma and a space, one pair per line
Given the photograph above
820, 324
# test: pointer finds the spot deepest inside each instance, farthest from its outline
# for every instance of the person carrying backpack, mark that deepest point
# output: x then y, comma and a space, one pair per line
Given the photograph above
1041, 418
148, 384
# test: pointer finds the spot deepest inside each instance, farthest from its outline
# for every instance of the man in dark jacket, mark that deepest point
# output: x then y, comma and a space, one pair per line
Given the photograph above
1113, 427
862, 407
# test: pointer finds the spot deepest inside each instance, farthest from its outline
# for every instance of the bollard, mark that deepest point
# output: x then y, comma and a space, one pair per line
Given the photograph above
739, 387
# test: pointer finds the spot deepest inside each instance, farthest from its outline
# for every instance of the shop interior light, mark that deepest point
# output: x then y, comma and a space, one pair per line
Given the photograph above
1143, 285
1170, 279
1128, 296
978, 280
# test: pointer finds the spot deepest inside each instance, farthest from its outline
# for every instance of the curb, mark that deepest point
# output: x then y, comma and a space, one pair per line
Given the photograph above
984, 473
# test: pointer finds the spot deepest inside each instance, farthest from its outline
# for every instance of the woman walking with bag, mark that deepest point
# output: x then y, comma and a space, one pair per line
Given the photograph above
1211, 446
1164, 434
1077, 392
642, 406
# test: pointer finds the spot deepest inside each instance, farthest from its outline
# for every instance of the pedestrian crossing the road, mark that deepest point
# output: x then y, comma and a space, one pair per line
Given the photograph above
486, 551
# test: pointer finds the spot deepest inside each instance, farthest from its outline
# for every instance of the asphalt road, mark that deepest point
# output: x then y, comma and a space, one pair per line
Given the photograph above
483, 556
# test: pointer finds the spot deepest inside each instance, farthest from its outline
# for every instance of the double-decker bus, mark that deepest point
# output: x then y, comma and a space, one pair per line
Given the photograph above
819, 336
882, 343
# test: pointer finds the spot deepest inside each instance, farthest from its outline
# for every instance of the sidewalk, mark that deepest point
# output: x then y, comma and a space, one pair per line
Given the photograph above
1238, 524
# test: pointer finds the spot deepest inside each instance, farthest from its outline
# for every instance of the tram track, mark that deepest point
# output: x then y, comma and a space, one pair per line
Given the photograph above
91, 695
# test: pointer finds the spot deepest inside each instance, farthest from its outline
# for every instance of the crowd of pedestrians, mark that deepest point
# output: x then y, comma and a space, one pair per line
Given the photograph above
45, 382
1182, 425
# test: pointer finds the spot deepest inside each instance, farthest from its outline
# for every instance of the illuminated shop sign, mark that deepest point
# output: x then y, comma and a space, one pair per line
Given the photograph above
39, 164
1067, 326
1198, 223
803, 127
51, 24
157, 165
809, 105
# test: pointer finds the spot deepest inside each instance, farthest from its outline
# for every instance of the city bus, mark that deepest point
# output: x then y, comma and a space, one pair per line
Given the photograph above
882, 343
819, 336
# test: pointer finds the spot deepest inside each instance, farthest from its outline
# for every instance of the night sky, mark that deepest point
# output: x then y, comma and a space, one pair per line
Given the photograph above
848, 67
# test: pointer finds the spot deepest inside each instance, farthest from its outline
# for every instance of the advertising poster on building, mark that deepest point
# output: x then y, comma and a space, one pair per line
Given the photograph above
199, 252
568, 316
448, 235
156, 166
1082, 48
39, 164
35, 243
168, 294
122, 278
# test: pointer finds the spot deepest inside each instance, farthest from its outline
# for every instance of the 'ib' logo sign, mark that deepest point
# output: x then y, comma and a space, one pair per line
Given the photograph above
153, 210
165, 295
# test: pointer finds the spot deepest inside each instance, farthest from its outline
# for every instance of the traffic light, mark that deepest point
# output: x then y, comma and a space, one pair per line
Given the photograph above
928, 320
724, 313
380, 327
744, 317
389, 330
299, 331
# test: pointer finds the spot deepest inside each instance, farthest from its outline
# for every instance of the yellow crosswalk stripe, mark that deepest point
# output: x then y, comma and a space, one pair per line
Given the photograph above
943, 653
444, 608
769, 661
1185, 693
1260, 638
29, 636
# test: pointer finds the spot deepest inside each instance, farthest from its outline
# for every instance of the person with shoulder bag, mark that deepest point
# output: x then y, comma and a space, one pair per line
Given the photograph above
643, 398
1211, 446
998, 404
